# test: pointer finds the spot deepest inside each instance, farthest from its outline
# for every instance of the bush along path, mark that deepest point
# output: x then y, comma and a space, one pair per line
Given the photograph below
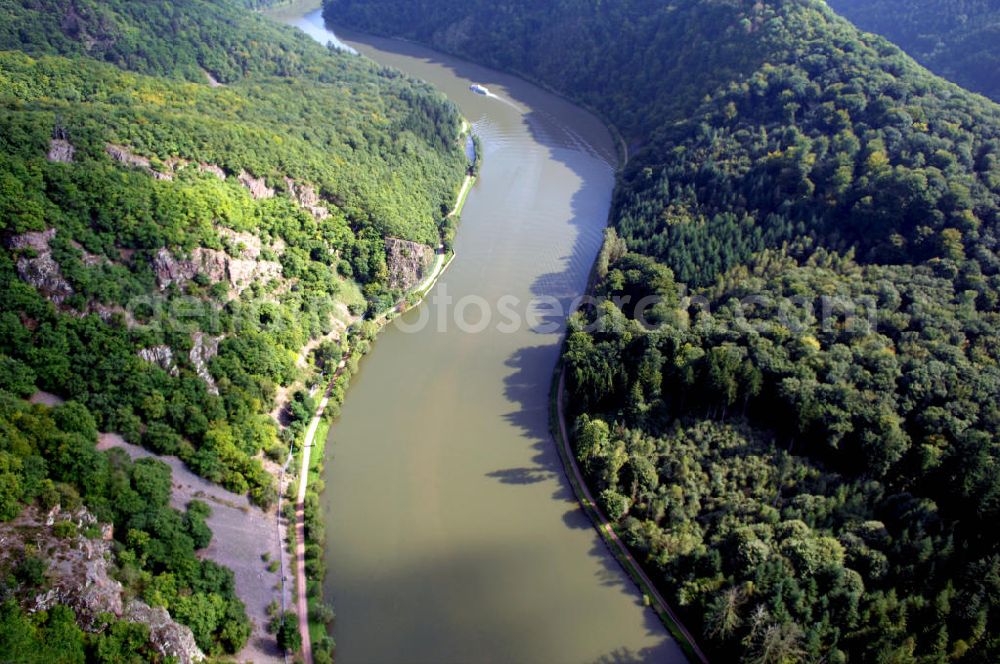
301, 602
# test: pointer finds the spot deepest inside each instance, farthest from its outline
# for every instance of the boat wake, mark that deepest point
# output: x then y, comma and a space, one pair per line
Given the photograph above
505, 101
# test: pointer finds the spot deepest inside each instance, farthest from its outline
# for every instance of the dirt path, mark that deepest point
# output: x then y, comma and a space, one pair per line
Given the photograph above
604, 526
462, 194
301, 602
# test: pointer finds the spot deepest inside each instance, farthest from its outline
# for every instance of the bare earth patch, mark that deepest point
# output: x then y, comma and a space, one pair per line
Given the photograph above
241, 535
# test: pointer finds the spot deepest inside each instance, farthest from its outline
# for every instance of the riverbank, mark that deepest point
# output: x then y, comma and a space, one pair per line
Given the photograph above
308, 601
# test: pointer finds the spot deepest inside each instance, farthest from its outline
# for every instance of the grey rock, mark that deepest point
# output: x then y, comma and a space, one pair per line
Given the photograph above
124, 155
203, 350
161, 355
407, 262
40, 270
305, 195
61, 150
171, 639
257, 186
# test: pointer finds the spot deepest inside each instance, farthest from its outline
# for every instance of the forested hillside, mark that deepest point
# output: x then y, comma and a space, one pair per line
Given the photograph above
49, 461
797, 432
958, 39
189, 196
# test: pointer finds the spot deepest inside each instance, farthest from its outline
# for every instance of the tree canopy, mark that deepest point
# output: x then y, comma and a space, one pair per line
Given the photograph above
958, 39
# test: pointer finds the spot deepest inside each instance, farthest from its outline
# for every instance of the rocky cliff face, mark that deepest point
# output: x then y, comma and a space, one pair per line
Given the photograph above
257, 186
36, 266
77, 575
169, 638
407, 262
123, 155
214, 265
162, 356
307, 197
60, 150
203, 350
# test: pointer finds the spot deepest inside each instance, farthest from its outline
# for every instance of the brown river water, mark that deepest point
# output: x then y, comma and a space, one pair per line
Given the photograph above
452, 532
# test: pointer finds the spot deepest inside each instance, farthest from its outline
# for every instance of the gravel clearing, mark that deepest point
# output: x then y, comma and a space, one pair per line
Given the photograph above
241, 536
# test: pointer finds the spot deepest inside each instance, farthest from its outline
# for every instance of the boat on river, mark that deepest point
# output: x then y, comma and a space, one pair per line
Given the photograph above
479, 89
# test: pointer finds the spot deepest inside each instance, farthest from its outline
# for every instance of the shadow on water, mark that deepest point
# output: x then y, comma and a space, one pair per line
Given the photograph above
528, 382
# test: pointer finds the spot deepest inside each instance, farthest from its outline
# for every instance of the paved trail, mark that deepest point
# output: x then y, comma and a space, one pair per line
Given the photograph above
301, 603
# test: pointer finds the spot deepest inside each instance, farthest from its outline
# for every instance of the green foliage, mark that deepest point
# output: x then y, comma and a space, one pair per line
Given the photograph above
156, 544
958, 39
53, 636
785, 470
379, 151
30, 571
286, 628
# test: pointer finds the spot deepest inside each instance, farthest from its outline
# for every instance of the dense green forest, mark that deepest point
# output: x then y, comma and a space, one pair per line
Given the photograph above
189, 194
377, 149
958, 39
791, 413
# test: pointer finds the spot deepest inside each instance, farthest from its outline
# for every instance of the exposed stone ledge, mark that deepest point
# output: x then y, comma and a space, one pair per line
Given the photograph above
61, 150
257, 186
124, 155
161, 355
407, 262
77, 575
40, 270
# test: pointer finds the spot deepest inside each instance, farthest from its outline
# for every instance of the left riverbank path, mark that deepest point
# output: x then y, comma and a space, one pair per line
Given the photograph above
301, 601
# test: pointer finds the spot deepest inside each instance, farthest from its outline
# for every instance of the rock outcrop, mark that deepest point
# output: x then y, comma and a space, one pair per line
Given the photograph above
203, 350
61, 150
77, 575
77, 567
212, 81
306, 196
241, 270
169, 638
87, 258
257, 186
213, 170
245, 246
407, 262
171, 270
123, 155
36, 266
161, 355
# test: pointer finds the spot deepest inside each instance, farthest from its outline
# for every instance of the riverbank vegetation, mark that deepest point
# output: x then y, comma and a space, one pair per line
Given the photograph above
357, 343
798, 438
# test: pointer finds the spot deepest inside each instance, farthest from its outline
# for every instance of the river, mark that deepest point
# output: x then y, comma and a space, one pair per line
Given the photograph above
452, 532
